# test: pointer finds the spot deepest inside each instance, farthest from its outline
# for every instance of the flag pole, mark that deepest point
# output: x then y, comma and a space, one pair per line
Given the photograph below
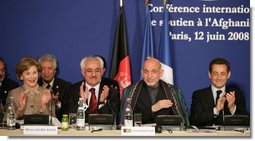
121, 3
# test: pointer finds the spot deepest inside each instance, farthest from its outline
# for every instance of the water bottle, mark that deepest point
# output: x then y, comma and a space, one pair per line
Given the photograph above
128, 115
11, 115
80, 121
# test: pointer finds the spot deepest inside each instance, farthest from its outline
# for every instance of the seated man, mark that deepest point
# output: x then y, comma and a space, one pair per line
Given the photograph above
211, 103
6, 84
58, 86
152, 97
94, 88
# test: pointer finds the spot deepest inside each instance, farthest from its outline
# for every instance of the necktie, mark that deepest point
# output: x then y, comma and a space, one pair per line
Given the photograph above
93, 102
218, 96
48, 86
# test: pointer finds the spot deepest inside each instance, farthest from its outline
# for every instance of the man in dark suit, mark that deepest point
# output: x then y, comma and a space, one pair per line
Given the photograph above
210, 104
58, 86
94, 88
5, 84
153, 97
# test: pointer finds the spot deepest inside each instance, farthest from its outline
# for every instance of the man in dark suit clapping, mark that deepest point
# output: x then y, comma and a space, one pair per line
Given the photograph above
58, 86
210, 104
106, 98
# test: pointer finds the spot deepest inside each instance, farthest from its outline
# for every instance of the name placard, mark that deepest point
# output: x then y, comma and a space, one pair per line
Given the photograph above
40, 130
138, 131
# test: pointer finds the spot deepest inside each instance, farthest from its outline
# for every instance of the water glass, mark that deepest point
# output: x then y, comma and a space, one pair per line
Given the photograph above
3, 125
72, 120
137, 119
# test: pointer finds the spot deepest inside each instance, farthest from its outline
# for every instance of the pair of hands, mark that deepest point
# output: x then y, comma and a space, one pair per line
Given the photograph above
46, 97
230, 97
161, 104
84, 93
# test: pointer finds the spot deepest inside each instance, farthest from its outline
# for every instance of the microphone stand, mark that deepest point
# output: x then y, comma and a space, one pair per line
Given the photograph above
51, 103
114, 116
223, 114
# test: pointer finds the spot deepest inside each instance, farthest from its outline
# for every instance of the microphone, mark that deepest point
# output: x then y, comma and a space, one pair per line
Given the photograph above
112, 111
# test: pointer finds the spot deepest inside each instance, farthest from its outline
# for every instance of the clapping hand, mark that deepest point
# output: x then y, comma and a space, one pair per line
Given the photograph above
220, 102
56, 97
231, 100
104, 93
23, 100
46, 97
83, 94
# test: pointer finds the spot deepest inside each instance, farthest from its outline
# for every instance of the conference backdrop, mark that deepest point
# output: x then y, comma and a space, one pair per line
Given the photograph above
199, 31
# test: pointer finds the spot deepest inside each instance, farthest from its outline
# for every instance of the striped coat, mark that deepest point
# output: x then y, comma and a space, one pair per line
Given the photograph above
169, 91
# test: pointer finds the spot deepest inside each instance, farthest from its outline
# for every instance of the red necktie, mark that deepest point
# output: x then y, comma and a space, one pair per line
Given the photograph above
93, 102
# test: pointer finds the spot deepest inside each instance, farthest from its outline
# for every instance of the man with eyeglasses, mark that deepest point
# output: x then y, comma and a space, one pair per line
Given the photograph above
5, 84
97, 93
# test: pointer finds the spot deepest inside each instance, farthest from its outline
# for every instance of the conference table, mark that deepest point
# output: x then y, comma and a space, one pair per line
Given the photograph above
110, 133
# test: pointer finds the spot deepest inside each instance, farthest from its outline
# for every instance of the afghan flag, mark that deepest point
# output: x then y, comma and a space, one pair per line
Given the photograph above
120, 66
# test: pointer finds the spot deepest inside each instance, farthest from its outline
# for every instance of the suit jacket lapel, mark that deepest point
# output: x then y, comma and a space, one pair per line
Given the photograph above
134, 96
53, 87
209, 97
102, 83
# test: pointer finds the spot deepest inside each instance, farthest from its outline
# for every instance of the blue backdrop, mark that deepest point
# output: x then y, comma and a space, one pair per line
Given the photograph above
72, 29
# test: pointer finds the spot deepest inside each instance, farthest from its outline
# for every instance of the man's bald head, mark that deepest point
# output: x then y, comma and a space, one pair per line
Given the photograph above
152, 61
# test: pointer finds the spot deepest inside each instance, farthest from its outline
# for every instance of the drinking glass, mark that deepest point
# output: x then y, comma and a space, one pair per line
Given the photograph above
137, 119
2, 123
72, 120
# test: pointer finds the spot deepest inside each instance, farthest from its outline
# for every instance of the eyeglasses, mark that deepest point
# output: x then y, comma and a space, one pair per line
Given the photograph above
97, 70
